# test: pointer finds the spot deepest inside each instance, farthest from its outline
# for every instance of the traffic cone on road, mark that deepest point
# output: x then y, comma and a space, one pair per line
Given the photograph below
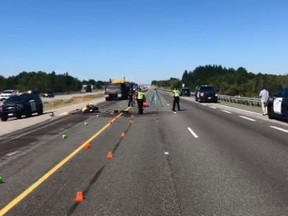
110, 155
88, 146
79, 197
123, 134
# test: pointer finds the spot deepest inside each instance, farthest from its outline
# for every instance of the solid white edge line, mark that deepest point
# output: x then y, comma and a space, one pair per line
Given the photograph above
192, 132
250, 119
248, 111
226, 111
280, 129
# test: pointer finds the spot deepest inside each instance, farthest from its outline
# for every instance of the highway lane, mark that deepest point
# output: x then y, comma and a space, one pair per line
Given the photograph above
199, 161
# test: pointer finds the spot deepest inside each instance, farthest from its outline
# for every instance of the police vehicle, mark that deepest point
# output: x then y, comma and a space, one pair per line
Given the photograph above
18, 105
278, 105
206, 93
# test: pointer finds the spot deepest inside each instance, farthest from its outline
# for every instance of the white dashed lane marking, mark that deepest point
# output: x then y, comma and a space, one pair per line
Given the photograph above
226, 111
12, 153
249, 119
192, 132
280, 129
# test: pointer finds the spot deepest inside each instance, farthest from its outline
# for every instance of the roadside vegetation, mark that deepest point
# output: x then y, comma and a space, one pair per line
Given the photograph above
41, 81
228, 81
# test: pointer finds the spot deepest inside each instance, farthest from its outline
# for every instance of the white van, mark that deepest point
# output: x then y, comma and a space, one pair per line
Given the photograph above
6, 94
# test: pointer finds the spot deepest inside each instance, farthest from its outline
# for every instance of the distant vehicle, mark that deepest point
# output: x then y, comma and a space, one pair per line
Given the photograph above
48, 94
86, 88
116, 91
185, 92
206, 93
18, 105
278, 105
6, 94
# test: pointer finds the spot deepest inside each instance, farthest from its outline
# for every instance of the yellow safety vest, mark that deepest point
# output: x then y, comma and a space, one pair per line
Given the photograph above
141, 95
176, 93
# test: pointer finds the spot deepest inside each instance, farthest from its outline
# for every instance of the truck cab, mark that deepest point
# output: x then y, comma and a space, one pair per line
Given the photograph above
116, 91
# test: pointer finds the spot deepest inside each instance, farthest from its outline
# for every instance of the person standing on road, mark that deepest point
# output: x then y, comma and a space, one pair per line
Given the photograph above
130, 97
141, 98
176, 99
264, 95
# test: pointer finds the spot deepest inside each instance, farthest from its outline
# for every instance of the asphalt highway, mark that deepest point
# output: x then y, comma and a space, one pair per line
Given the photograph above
207, 159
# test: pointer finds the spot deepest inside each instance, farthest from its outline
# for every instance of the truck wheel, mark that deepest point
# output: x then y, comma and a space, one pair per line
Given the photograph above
40, 111
270, 113
4, 118
28, 113
18, 115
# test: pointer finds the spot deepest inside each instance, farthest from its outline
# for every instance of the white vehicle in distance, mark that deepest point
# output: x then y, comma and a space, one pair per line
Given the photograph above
7, 93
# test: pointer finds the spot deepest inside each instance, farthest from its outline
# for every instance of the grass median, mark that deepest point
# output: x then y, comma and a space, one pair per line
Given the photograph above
73, 100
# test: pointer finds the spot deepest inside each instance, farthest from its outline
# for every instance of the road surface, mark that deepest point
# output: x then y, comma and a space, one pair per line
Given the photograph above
206, 159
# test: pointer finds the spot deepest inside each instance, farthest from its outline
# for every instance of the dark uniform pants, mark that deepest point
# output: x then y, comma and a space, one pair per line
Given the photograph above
176, 101
140, 105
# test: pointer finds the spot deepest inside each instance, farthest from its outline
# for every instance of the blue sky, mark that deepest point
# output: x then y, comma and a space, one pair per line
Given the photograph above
142, 40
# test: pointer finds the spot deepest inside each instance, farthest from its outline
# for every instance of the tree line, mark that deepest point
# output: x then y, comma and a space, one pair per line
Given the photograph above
228, 81
41, 81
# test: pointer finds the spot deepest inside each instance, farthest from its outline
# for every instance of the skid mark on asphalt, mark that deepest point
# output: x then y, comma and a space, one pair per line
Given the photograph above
97, 175
85, 192
41, 180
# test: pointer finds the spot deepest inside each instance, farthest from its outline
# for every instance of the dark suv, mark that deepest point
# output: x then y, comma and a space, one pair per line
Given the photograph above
48, 94
206, 93
185, 92
24, 104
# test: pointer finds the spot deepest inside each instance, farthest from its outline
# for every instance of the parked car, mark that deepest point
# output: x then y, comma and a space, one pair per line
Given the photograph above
49, 94
278, 105
185, 92
6, 94
206, 93
18, 105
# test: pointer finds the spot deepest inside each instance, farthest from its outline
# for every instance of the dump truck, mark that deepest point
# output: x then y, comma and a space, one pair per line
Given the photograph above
117, 90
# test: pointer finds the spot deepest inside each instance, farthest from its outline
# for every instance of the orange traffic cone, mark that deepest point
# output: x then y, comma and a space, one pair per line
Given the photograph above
79, 197
123, 134
131, 121
88, 146
132, 116
110, 155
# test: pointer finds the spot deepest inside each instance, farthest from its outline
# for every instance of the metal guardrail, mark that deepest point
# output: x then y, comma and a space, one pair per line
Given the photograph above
240, 100
250, 101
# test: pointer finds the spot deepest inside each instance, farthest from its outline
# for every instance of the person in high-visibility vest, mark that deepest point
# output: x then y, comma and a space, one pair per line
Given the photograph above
176, 99
141, 98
